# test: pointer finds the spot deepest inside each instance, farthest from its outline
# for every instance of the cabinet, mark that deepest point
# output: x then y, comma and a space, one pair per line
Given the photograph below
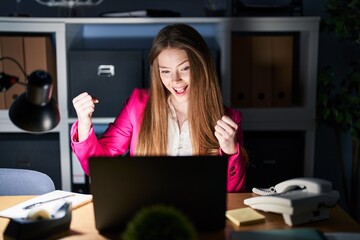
134, 35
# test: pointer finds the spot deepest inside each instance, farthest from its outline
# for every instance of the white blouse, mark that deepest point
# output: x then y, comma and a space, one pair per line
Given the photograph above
179, 140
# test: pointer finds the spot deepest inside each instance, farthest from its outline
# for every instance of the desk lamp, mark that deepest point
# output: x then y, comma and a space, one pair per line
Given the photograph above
35, 110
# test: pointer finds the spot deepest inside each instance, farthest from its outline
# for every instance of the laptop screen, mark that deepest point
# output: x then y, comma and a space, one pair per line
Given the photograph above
195, 185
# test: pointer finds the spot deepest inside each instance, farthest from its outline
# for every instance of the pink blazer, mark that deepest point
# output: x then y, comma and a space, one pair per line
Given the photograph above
123, 132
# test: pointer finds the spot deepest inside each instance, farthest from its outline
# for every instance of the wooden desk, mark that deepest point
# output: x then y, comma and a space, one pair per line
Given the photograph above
83, 223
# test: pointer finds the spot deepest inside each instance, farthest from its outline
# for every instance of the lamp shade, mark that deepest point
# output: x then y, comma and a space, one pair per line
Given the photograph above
35, 110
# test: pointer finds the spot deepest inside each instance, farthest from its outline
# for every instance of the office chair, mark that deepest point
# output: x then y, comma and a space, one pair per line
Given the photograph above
24, 182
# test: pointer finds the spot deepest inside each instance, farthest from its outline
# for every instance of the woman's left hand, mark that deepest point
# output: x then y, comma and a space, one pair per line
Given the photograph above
225, 132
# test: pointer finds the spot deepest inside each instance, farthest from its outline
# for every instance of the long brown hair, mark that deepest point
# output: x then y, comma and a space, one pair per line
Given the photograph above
205, 102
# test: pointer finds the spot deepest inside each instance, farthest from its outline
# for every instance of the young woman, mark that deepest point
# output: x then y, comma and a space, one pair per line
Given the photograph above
181, 114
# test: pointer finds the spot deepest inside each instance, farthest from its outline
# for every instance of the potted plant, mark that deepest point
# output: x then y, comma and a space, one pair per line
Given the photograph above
159, 222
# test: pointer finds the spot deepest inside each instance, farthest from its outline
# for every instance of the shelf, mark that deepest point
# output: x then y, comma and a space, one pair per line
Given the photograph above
119, 33
282, 119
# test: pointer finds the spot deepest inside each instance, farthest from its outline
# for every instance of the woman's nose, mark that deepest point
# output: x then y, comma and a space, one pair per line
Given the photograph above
175, 77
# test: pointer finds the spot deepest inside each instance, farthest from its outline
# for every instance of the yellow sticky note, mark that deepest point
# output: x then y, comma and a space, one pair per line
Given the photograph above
244, 216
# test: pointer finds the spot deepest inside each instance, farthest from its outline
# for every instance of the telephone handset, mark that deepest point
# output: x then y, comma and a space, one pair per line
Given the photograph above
300, 200
314, 185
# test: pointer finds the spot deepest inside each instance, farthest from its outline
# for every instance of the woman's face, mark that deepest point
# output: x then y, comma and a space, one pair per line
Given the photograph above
174, 68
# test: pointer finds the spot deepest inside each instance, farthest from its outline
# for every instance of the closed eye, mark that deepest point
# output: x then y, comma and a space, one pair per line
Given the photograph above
185, 68
164, 71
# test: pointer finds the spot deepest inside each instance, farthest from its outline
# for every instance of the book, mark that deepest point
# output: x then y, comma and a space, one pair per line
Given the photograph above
244, 216
48, 201
284, 234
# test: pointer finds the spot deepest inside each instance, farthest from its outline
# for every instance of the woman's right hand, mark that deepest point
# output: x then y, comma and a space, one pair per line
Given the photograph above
84, 105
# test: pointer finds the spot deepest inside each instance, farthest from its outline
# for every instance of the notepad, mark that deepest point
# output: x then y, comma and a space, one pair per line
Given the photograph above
244, 216
20, 211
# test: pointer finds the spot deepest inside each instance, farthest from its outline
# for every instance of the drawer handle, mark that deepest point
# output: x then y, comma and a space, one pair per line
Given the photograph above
23, 163
106, 70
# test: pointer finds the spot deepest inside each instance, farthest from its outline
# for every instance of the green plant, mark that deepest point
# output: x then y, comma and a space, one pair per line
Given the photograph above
339, 106
159, 222
344, 18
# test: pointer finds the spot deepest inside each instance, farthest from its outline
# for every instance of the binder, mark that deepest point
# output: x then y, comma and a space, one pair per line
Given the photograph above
241, 71
282, 70
261, 71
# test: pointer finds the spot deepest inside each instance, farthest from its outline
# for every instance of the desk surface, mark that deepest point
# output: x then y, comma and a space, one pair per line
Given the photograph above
83, 223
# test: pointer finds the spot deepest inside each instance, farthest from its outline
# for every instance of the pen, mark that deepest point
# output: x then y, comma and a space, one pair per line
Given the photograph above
51, 200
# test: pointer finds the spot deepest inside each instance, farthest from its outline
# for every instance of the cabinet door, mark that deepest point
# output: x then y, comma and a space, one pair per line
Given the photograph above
40, 152
108, 75
275, 156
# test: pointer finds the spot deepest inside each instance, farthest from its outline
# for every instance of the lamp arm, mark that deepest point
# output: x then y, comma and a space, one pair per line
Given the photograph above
18, 64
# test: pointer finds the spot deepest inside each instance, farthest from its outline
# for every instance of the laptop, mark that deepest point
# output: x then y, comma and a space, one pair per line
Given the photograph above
195, 185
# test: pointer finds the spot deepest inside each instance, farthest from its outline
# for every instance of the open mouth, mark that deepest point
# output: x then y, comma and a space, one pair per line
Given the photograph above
180, 90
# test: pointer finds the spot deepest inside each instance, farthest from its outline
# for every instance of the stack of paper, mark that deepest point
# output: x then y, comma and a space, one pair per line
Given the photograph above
49, 201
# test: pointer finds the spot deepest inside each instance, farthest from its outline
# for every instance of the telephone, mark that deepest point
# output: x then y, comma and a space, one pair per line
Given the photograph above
299, 200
